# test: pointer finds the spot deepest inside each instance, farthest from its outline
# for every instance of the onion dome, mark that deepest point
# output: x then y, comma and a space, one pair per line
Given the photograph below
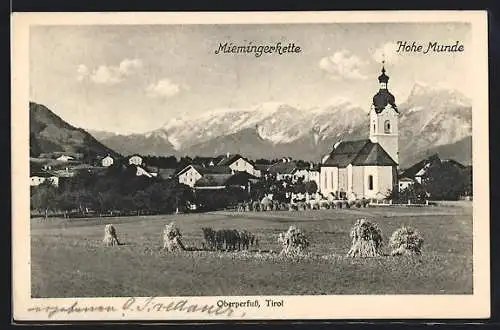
383, 96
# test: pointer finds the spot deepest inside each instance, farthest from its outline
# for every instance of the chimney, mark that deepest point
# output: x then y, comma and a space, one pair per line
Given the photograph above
227, 154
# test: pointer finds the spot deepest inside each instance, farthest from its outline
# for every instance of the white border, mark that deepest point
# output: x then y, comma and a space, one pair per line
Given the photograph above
476, 305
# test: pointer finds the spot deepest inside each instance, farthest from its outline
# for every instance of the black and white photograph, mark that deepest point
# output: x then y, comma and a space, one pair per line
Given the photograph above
250, 165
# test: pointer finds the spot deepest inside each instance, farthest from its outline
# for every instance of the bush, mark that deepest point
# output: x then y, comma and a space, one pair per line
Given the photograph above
366, 239
406, 241
358, 203
324, 205
365, 202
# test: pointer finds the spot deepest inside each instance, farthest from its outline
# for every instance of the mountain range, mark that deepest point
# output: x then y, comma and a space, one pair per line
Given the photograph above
433, 119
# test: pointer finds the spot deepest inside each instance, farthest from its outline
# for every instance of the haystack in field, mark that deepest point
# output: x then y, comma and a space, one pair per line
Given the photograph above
294, 242
406, 241
266, 204
172, 238
110, 237
366, 239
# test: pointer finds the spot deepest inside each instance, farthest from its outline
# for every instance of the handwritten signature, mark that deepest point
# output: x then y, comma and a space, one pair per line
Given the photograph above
132, 304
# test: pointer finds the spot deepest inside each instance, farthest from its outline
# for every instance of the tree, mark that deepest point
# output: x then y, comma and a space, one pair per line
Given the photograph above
44, 198
311, 187
300, 188
444, 181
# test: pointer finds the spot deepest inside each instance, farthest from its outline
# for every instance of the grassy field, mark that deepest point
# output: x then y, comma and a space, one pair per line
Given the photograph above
68, 259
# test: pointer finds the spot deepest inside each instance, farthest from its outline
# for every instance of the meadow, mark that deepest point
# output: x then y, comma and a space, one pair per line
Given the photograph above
69, 260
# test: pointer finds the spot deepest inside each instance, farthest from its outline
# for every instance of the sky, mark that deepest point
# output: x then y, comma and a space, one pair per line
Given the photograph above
134, 78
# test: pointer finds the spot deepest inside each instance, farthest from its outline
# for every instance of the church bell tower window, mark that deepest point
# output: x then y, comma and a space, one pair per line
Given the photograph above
387, 126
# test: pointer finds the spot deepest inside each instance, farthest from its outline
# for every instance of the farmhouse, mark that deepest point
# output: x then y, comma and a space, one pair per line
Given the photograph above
64, 158
135, 160
192, 173
221, 181
418, 171
366, 168
107, 161
405, 183
142, 172
38, 178
239, 164
283, 170
206, 161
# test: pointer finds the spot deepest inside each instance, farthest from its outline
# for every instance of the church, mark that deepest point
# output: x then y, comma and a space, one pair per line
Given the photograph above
366, 168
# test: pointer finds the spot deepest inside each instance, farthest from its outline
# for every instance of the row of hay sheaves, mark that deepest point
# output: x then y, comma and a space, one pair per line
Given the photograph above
270, 205
366, 237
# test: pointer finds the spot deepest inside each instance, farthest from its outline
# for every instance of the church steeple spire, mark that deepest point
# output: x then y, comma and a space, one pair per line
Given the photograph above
383, 78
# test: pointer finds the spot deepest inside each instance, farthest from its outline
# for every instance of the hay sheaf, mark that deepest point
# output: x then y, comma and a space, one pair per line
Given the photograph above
294, 242
366, 239
110, 236
172, 238
406, 241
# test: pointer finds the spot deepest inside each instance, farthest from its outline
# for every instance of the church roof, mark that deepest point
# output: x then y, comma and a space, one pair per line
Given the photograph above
382, 99
359, 153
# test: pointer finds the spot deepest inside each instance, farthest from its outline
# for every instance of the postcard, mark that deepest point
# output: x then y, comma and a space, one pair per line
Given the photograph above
250, 166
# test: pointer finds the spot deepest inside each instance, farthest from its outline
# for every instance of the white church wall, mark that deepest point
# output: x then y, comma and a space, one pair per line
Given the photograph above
328, 180
342, 183
382, 177
358, 187
385, 180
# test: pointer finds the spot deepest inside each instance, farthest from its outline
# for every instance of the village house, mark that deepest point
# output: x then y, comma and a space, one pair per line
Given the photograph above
405, 183
366, 168
64, 158
283, 170
38, 177
239, 179
192, 173
418, 171
142, 172
206, 161
107, 161
313, 174
135, 160
239, 164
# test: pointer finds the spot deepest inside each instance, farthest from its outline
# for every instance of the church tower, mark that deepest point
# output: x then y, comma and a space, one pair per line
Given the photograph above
384, 119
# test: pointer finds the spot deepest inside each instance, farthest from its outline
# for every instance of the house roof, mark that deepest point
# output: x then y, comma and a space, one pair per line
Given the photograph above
213, 180
359, 153
237, 179
226, 161
166, 173
282, 168
412, 171
262, 167
206, 160
203, 170
240, 178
